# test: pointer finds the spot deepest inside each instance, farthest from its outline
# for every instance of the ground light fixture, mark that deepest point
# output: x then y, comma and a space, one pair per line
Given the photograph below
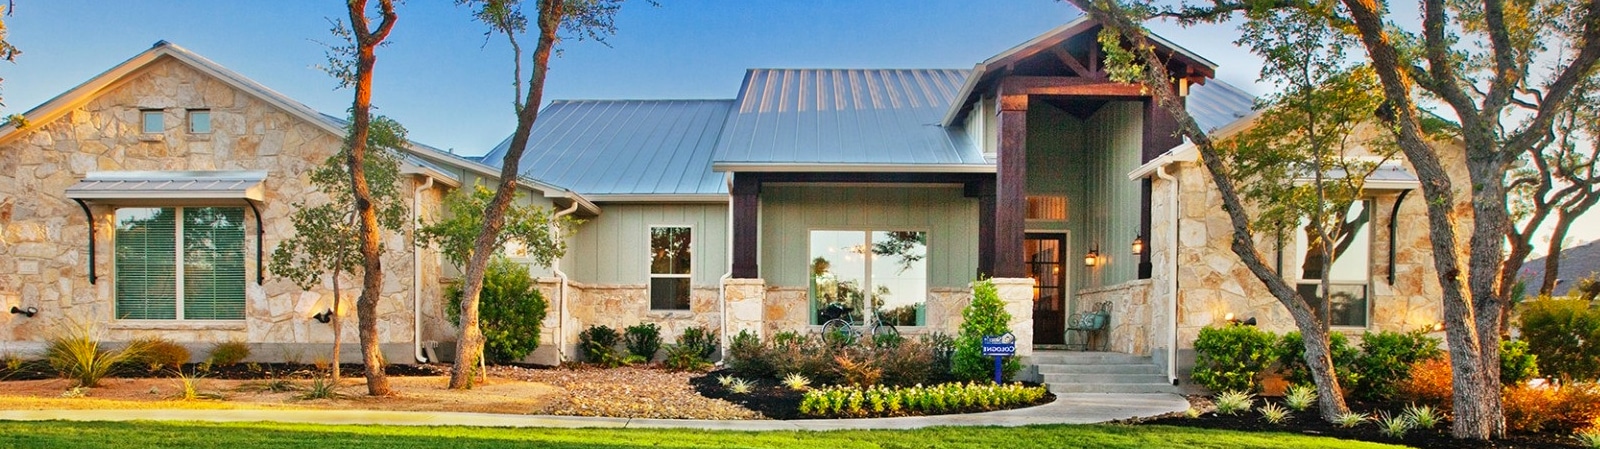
324, 317
29, 312
1237, 322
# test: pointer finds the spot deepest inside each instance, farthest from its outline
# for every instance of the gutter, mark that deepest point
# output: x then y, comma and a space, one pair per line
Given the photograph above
416, 271
1172, 271
561, 294
722, 288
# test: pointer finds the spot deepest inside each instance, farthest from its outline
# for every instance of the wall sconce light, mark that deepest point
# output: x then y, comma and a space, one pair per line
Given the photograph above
29, 312
324, 317
1092, 258
1138, 244
1236, 322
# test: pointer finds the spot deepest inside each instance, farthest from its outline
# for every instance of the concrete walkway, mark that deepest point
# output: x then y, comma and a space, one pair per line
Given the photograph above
1075, 408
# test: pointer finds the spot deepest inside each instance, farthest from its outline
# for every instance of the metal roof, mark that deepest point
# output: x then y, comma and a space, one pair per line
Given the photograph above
149, 185
623, 147
1216, 104
798, 117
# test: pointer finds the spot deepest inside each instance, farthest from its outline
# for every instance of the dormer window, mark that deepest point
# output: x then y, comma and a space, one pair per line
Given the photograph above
153, 121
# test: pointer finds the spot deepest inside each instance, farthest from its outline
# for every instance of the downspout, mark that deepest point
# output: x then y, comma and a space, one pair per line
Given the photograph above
1172, 272
1393, 225
561, 292
722, 288
416, 271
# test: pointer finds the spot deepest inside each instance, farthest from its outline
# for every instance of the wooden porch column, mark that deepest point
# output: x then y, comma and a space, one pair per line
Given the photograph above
1160, 134
1011, 195
746, 193
984, 192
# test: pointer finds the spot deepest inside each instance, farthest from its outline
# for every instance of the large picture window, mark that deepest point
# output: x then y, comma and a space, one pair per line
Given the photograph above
670, 267
180, 263
887, 270
1348, 276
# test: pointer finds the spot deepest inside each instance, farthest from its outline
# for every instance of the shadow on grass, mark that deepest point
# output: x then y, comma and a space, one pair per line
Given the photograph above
73, 434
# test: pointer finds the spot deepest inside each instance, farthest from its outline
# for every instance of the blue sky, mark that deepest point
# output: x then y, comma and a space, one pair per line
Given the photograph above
451, 86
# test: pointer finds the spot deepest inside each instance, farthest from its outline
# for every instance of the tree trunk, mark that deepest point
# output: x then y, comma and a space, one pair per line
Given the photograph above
469, 346
371, 233
1552, 258
338, 332
1319, 358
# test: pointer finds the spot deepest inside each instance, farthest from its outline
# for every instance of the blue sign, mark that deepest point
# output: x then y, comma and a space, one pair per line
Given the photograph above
1000, 345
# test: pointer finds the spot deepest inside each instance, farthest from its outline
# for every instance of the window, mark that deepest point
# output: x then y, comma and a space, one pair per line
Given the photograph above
180, 262
1348, 276
153, 121
670, 262
1051, 207
887, 268
200, 121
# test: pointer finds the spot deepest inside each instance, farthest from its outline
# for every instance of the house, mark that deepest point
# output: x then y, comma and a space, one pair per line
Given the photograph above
890, 190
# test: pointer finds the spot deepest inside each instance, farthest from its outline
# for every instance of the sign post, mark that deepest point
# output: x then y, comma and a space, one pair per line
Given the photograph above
999, 346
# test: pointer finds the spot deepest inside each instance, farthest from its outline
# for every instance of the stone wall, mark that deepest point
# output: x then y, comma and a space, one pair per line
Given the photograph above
44, 236
620, 306
1132, 326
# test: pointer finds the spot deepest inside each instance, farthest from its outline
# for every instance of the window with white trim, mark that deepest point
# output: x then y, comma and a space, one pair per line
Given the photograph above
200, 121
671, 265
153, 121
180, 263
886, 269
1350, 274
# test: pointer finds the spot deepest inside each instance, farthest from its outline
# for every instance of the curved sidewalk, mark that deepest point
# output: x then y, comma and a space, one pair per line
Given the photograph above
1075, 408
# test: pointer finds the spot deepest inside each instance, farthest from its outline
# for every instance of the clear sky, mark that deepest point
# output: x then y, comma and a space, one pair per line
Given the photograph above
451, 86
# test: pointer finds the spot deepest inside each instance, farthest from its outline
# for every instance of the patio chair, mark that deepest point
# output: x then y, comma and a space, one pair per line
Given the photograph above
1087, 326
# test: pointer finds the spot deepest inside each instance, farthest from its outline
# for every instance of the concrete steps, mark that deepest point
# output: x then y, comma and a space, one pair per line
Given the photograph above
1100, 372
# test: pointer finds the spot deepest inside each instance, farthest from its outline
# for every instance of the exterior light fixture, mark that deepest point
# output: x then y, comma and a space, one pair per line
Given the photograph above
1438, 327
324, 317
1237, 322
29, 312
1138, 244
1092, 258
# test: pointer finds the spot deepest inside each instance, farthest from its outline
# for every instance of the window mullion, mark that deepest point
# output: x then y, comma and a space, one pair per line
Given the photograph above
867, 290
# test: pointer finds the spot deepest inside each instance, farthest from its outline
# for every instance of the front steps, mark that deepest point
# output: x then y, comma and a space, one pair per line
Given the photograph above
1100, 372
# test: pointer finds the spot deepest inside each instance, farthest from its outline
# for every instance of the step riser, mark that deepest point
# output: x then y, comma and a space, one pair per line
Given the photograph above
1104, 379
1099, 369
1113, 388
1088, 359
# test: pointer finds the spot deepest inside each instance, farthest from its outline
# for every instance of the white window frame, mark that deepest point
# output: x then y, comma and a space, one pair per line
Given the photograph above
145, 122
1291, 266
866, 273
178, 269
190, 122
649, 259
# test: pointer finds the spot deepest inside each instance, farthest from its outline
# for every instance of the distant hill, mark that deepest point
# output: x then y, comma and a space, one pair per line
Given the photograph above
1577, 262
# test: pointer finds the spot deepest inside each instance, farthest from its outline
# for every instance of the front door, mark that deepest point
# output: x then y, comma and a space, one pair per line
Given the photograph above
1046, 266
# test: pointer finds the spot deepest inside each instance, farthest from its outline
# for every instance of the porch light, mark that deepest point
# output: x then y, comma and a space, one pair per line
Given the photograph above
324, 317
1138, 244
1093, 258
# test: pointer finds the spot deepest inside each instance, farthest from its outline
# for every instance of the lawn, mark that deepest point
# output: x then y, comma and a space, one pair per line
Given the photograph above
62, 434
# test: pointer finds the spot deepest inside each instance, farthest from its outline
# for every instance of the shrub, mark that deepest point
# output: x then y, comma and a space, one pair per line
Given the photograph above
599, 346
1565, 336
1563, 409
510, 311
701, 340
942, 346
321, 388
643, 340
844, 401
1274, 413
1589, 438
1291, 353
906, 364
1300, 397
160, 353
1234, 402
1394, 426
856, 373
78, 355
796, 382
683, 358
985, 316
1421, 416
1517, 364
1430, 383
749, 357
1386, 359
228, 353
1232, 358
1350, 419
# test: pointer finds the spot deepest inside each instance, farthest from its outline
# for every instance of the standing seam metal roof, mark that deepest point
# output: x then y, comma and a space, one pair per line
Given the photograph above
620, 147
1215, 104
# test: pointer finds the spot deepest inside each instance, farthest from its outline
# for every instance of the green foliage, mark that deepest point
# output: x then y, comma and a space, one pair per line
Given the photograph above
321, 388
684, 358
1274, 413
1300, 397
1517, 364
748, 357
851, 401
1234, 402
160, 354
526, 226
599, 346
985, 316
1589, 438
228, 353
1421, 416
189, 387
1394, 426
740, 386
1292, 360
1232, 358
943, 347
643, 340
796, 382
1386, 359
700, 340
1350, 419
510, 311
76, 353
1565, 336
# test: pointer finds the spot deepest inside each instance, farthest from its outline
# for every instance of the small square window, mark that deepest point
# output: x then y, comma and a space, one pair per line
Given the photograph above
200, 121
153, 121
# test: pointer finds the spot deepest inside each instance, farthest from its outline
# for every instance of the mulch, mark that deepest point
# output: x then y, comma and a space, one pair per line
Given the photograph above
772, 399
40, 370
1309, 423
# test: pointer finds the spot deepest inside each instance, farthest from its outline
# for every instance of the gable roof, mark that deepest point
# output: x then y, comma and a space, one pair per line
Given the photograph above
420, 158
846, 119
611, 149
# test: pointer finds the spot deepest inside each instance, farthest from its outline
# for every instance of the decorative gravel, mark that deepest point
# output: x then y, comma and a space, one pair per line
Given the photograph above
626, 392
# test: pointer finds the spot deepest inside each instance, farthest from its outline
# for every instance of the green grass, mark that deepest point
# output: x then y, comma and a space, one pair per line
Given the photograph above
65, 434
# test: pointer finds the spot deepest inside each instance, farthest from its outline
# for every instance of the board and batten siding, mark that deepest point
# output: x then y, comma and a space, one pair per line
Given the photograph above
614, 248
1113, 139
790, 212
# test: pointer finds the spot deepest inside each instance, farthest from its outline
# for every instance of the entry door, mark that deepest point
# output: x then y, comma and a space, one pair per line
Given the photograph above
1044, 254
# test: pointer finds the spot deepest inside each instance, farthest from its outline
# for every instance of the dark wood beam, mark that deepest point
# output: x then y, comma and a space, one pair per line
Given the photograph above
1069, 86
1011, 196
1071, 62
1160, 134
984, 191
746, 193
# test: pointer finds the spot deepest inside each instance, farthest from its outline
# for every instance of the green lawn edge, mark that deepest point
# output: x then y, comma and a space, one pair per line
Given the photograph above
209, 435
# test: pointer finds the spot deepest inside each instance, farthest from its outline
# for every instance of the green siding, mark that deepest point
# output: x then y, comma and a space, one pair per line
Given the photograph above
1113, 141
1056, 163
789, 212
614, 248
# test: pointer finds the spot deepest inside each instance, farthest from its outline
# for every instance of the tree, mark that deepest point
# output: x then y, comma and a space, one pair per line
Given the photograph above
535, 229
326, 235
1558, 176
8, 53
590, 19
1505, 71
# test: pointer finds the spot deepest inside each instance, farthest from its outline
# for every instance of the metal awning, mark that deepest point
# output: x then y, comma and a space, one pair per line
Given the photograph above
1386, 176
169, 187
